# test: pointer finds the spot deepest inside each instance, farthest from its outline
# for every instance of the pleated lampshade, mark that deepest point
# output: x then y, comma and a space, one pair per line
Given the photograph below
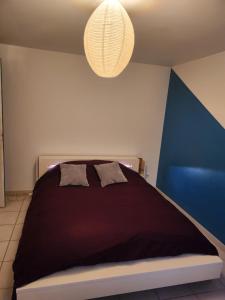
109, 39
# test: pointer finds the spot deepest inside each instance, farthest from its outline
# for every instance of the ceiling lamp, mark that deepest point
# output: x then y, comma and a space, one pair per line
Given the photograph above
109, 39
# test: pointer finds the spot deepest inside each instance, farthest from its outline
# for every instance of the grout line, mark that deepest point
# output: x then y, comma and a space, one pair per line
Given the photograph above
196, 295
210, 291
157, 296
207, 293
11, 210
222, 280
10, 238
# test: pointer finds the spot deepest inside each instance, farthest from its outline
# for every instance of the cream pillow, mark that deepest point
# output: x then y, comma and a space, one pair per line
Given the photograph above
110, 173
73, 175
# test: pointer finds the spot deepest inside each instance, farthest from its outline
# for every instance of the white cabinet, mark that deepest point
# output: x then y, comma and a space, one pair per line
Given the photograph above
2, 191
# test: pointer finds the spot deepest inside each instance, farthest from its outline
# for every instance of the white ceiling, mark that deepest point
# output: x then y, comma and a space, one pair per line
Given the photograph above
168, 32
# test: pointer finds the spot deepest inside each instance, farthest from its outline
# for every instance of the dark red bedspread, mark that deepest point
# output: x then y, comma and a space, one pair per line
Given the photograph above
69, 226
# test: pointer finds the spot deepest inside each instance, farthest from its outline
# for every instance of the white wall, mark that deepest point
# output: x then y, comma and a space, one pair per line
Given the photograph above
206, 79
54, 104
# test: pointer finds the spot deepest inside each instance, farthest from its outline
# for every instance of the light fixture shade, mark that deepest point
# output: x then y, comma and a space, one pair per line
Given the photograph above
109, 39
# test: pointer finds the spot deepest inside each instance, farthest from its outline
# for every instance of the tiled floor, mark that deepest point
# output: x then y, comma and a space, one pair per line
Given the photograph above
11, 224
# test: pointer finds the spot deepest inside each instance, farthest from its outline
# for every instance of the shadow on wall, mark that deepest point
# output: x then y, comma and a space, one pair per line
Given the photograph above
192, 159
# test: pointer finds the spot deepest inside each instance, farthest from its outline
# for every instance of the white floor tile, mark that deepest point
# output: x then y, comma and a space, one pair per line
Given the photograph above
223, 280
8, 218
216, 295
12, 206
5, 294
145, 295
174, 291
25, 204
11, 251
11, 198
22, 197
21, 217
6, 275
5, 232
206, 286
17, 232
3, 248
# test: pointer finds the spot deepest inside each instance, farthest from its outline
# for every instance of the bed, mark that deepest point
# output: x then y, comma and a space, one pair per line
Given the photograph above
82, 243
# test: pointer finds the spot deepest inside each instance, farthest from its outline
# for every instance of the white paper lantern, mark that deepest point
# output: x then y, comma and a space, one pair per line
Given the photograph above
109, 39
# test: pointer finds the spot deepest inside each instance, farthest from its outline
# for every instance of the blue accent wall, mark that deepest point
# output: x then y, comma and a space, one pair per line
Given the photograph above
192, 158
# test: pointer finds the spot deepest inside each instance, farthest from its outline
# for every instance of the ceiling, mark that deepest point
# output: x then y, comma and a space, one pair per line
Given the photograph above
167, 32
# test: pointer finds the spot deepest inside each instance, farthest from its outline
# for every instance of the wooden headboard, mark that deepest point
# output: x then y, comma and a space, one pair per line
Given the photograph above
46, 162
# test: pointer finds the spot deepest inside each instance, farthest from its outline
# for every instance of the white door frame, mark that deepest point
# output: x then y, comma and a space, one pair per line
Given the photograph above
2, 184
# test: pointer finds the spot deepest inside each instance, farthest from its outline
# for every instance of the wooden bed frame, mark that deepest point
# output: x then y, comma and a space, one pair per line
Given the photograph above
80, 283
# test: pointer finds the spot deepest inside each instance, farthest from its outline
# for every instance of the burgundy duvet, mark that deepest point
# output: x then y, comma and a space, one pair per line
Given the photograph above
72, 226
